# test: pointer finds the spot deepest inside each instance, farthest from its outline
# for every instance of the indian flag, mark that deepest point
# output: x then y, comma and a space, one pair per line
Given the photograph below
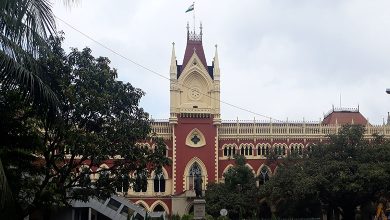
191, 8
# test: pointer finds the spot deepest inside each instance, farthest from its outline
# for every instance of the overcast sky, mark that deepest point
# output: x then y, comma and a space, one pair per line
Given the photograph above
280, 58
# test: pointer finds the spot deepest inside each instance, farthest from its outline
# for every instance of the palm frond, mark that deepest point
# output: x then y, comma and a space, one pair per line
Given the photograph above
13, 74
28, 23
6, 197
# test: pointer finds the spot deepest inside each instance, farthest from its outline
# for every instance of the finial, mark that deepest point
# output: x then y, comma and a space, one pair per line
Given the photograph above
188, 27
201, 29
173, 43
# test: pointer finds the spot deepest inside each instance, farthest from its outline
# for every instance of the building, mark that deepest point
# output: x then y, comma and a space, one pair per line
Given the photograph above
200, 143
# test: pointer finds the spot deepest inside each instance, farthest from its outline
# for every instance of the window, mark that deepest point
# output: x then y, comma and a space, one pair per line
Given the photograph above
194, 174
159, 208
263, 149
246, 149
264, 175
123, 183
159, 182
229, 150
141, 182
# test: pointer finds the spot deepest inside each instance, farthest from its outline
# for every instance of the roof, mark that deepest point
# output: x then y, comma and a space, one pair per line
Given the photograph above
344, 116
194, 45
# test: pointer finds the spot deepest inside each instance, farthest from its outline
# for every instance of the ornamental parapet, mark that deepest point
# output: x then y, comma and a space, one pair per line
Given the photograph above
162, 128
306, 130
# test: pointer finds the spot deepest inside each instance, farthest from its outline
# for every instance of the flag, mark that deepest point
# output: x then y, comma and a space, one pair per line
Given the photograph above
191, 8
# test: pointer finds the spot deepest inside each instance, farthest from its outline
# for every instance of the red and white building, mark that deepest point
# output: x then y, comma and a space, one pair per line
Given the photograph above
199, 142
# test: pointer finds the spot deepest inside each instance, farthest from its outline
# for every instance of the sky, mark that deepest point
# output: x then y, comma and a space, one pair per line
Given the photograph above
285, 59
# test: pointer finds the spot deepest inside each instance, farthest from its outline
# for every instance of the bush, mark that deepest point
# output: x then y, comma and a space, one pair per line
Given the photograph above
175, 217
187, 217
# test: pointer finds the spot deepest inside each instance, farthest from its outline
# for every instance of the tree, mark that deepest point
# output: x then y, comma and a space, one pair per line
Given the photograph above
58, 150
341, 173
349, 171
237, 194
24, 29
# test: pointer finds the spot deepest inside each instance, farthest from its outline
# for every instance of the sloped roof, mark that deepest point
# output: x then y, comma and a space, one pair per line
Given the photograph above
344, 116
194, 45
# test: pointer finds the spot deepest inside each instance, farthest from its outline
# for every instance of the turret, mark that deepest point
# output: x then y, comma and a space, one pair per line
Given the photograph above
216, 64
173, 69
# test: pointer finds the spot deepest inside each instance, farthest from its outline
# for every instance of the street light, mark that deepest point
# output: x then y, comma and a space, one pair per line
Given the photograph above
388, 91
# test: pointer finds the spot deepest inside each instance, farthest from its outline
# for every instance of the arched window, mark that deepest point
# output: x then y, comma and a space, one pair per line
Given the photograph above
85, 177
292, 149
225, 151
246, 150
264, 175
159, 208
263, 150
242, 151
194, 174
141, 182
159, 182
123, 183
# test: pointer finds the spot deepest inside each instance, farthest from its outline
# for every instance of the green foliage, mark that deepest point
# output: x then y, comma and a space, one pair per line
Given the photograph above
209, 217
187, 217
175, 217
46, 151
343, 172
237, 194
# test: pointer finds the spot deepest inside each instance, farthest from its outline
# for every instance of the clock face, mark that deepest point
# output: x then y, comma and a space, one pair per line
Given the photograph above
195, 93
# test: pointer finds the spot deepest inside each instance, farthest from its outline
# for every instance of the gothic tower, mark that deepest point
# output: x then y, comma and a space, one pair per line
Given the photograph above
194, 117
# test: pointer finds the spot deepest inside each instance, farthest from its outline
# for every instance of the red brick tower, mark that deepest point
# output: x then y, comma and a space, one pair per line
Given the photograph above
194, 117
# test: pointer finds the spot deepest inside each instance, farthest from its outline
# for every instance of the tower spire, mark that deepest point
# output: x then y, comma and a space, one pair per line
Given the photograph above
173, 69
216, 64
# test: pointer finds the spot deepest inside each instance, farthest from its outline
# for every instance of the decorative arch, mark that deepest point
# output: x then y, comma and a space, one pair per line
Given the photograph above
198, 70
261, 167
296, 148
163, 170
159, 181
102, 166
229, 150
250, 167
195, 138
142, 203
186, 181
263, 173
263, 149
280, 149
246, 149
159, 202
226, 169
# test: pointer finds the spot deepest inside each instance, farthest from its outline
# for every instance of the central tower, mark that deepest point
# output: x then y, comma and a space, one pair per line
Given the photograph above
194, 118
194, 86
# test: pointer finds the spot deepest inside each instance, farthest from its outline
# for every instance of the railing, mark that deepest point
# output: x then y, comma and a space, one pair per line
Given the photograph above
288, 129
162, 128
230, 129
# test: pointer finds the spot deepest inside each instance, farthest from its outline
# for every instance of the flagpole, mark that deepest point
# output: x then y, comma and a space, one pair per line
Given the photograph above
194, 15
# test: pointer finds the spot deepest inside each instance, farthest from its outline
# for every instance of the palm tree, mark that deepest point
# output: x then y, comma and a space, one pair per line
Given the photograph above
25, 26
